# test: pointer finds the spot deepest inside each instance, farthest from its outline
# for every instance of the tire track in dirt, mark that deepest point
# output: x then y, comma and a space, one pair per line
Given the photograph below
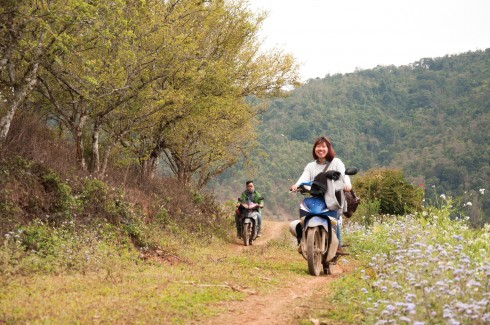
285, 305
271, 230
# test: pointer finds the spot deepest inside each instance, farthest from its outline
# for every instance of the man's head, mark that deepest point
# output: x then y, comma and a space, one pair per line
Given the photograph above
250, 186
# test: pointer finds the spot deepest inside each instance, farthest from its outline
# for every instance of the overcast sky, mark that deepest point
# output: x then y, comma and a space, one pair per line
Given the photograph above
338, 36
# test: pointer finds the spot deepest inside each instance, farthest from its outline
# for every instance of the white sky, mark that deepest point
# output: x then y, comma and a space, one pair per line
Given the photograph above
338, 36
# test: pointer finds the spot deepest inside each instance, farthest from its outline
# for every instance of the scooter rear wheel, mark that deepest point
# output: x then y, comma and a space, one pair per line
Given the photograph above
314, 252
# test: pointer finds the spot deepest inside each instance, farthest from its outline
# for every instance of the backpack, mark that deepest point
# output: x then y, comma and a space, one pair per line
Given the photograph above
352, 201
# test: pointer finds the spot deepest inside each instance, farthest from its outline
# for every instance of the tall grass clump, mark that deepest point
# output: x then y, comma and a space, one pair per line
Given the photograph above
41, 247
421, 268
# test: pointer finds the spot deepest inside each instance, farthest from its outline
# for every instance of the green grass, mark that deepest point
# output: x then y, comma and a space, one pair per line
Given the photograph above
186, 289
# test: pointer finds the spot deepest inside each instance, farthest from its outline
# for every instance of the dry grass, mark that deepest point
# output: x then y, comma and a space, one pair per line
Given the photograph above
186, 290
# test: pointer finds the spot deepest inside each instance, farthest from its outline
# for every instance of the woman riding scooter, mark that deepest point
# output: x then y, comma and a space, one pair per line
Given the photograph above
324, 160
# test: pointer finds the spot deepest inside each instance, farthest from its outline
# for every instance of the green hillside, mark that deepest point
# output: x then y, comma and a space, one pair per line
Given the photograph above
429, 118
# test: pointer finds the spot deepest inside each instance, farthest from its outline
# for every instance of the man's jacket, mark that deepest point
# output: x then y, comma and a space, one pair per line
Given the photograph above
255, 199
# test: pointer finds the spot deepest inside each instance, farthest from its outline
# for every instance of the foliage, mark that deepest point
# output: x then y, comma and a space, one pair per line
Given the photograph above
42, 248
367, 211
144, 81
32, 32
30, 190
47, 223
389, 187
63, 200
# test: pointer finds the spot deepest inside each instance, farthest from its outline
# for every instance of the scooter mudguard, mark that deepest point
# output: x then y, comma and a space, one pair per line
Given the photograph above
318, 221
254, 215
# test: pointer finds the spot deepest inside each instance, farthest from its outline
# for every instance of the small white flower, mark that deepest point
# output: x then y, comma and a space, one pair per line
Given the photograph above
443, 196
405, 319
469, 204
482, 191
473, 283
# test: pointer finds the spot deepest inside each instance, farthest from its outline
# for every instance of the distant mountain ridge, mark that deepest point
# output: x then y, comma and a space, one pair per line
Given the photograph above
430, 118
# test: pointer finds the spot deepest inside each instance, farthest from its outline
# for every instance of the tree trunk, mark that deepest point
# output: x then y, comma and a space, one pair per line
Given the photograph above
78, 133
105, 161
152, 167
95, 149
25, 86
6, 121
19, 96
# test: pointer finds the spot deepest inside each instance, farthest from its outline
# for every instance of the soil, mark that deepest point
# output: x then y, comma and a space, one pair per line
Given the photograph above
285, 305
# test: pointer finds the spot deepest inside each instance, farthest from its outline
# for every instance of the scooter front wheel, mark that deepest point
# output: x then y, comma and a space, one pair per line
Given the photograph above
314, 252
246, 235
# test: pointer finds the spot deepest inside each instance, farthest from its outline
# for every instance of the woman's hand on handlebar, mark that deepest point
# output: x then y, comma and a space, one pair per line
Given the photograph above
293, 188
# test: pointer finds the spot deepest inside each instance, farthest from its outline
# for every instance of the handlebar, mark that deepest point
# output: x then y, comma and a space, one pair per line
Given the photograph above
303, 188
331, 174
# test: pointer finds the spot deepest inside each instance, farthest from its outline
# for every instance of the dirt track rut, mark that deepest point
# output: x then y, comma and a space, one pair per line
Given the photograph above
285, 305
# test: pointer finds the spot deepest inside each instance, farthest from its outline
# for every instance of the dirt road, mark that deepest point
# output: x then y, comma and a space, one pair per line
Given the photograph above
285, 305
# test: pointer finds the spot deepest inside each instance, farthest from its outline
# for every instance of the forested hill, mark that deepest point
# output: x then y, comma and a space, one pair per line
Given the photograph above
430, 118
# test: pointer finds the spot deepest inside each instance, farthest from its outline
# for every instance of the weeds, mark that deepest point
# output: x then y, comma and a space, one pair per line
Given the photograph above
424, 268
42, 248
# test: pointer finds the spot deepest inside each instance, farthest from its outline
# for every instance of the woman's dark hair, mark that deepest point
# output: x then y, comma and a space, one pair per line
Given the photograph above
330, 153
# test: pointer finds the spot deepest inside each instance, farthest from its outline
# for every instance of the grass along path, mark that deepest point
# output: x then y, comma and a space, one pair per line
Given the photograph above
220, 283
284, 304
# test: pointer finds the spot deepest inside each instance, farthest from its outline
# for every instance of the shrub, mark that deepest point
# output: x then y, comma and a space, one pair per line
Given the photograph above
388, 186
93, 196
62, 199
41, 247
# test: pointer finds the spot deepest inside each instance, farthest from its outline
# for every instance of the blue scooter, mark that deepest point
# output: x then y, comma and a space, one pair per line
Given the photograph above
317, 227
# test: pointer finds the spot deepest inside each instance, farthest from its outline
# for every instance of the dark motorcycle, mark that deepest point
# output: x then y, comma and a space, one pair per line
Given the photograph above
249, 220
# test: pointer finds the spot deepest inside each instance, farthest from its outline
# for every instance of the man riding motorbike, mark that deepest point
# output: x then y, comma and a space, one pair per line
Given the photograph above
250, 195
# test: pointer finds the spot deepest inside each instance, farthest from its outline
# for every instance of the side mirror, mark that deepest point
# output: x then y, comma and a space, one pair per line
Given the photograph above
351, 171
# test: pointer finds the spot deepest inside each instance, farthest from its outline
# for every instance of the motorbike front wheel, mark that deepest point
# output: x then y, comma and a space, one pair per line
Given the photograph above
314, 252
247, 234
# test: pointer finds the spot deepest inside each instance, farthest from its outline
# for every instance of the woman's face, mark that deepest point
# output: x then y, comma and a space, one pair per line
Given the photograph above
321, 150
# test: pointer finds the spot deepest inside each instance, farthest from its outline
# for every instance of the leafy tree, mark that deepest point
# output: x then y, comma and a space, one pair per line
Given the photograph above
118, 56
31, 32
201, 140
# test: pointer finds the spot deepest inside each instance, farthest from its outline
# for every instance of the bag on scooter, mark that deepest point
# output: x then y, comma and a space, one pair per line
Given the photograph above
352, 201
329, 186
319, 187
